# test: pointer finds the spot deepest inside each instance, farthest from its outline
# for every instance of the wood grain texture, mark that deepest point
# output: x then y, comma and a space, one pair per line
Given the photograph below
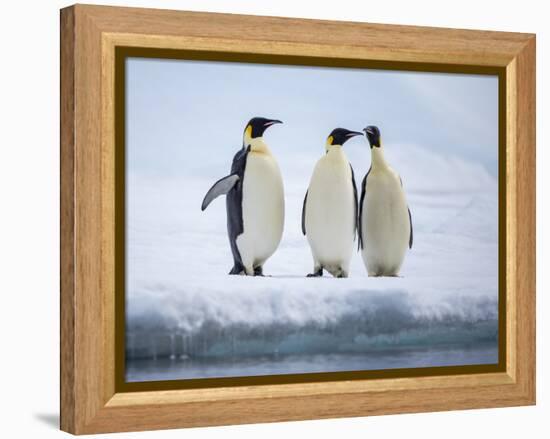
371, 41
525, 250
67, 231
89, 36
511, 216
90, 317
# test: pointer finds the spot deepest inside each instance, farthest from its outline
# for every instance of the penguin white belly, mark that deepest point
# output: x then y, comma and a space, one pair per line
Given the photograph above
263, 210
385, 224
330, 214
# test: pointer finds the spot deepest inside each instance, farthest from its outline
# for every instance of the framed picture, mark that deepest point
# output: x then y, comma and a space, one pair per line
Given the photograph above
268, 219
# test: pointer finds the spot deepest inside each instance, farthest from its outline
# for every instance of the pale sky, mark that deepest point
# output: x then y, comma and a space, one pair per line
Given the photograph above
194, 112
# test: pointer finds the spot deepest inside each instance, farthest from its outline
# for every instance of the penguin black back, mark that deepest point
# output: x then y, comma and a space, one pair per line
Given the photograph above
234, 207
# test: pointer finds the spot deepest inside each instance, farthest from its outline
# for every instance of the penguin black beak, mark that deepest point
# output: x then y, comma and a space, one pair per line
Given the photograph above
353, 134
368, 130
373, 136
271, 122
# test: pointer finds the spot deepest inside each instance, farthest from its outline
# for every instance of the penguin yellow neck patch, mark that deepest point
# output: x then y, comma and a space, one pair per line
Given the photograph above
247, 136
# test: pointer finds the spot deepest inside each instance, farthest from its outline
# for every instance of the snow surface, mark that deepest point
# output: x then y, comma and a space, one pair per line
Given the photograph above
181, 302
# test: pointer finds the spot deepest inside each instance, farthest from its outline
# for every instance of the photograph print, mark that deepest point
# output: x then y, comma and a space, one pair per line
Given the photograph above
284, 220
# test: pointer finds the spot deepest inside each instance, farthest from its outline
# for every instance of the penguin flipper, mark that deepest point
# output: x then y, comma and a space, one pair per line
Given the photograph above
355, 228
410, 220
221, 187
360, 216
304, 215
411, 224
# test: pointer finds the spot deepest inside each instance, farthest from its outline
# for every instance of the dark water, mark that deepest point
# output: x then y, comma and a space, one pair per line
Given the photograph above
189, 368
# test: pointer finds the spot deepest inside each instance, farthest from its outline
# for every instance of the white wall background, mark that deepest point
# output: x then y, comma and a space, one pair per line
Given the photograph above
29, 206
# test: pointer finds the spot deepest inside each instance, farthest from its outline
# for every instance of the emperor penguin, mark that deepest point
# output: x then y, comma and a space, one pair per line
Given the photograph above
329, 213
254, 201
385, 222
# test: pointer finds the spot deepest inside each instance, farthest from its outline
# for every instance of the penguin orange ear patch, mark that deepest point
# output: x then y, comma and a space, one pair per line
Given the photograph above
329, 140
248, 131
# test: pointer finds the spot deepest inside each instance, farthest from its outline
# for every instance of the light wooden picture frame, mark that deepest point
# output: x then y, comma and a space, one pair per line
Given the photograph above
94, 397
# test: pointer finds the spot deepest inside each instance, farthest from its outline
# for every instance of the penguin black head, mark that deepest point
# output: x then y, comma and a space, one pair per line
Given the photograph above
339, 136
257, 126
373, 134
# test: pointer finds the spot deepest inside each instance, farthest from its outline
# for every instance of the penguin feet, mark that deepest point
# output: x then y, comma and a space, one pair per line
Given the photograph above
259, 271
375, 271
383, 274
236, 270
341, 274
318, 272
